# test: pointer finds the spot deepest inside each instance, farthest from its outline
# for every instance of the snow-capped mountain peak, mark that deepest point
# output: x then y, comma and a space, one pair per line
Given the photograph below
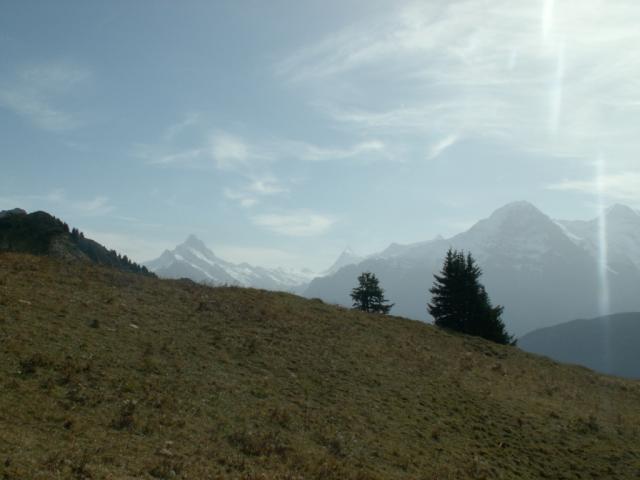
193, 259
519, 232
622, 234
194, 242
193, 248
347, 257
521, 213
542, 271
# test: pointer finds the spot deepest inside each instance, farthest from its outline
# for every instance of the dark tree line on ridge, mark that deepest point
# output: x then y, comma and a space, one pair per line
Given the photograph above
36, 233
458, 300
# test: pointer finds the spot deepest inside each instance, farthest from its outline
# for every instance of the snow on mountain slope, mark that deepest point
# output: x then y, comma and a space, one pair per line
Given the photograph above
192, 259
622, 233
542, 271
347, 257
517, 234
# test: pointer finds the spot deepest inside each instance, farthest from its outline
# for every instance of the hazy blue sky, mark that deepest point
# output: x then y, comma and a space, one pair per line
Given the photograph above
279, 132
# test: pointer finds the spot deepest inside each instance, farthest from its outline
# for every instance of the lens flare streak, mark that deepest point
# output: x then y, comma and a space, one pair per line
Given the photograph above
603, 264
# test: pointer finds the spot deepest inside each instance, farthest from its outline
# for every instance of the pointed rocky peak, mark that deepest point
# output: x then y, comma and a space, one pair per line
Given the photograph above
347, 257
519, 209
516, 216
517, 230
194, 242
193, 246
393, 249
166, 254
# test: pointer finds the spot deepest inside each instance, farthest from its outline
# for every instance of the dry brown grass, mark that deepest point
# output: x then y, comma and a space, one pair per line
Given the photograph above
107, 375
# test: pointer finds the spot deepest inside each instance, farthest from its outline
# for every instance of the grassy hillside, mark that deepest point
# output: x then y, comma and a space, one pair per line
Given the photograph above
111, 375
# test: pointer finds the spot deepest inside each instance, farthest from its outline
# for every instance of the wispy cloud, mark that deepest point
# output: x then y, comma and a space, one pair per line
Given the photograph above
180, 126
36, 92
314, 153
295, 224
562, 81
266, 186
250, 160
243, 198
38, 111
156, 156
251, 194
339, 52
95, 206
440, 146
231, 152
58, 199
218, 149
620, 186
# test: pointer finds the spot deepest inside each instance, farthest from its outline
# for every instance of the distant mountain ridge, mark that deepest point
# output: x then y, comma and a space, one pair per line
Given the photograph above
606, 344
40, 233
623, 238
542, 271
192, 259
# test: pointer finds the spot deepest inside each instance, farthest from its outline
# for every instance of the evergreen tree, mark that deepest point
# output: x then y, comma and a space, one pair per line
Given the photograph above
368, 296
460, 302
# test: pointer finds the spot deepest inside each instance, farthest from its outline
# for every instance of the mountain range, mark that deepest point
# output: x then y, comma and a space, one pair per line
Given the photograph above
192, 259
543, 271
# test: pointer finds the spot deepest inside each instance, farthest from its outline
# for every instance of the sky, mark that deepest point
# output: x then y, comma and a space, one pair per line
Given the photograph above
282, 132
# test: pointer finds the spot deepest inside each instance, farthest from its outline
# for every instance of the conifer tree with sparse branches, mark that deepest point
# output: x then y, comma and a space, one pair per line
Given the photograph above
368, 296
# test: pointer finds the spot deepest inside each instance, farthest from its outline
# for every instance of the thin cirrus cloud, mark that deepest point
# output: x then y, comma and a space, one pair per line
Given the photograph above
295, 224
439, 147
185, 157
251, 194
220, 149
231, 152
242, 197
314, 153
228, 151
37, 93
619, 186
57, 198
189, 121
96, 206
557, 78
